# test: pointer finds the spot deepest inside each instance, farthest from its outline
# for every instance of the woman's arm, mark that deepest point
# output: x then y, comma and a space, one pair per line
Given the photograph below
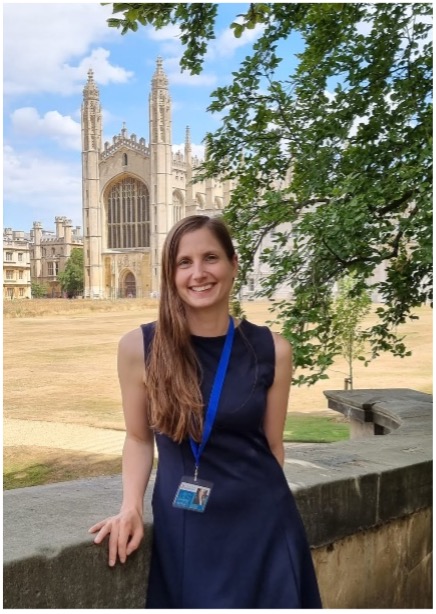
139, 443
278, 396
126, 529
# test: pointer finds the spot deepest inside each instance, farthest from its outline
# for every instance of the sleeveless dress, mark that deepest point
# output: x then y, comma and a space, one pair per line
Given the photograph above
248, 549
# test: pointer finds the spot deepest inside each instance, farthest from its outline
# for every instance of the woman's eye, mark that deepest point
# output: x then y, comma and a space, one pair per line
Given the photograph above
183, 263
211, 257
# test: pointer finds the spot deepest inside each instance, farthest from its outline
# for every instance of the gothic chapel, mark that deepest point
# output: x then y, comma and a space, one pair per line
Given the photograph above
133, 192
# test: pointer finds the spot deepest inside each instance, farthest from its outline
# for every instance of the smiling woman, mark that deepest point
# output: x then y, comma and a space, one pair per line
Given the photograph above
213, 392
199, 265
204, 275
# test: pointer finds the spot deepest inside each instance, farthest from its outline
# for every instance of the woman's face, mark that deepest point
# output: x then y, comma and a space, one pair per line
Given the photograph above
203, 273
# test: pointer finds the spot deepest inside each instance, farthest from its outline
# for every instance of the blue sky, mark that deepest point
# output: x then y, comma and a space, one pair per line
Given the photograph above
48, 49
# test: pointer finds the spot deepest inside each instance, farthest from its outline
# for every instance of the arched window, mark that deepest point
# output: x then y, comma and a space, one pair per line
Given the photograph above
124, 159
128, 215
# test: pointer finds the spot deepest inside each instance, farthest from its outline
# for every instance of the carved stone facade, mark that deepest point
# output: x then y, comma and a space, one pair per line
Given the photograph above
133, 193
49, 252
38, 256
16, 265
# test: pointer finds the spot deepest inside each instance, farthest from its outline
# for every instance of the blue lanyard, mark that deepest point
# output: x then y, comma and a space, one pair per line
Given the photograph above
212, 408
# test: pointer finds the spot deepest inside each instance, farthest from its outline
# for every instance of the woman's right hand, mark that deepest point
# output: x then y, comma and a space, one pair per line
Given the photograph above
125, 531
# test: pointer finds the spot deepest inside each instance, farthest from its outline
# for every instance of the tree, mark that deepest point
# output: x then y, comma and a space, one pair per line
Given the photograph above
337, 156
38, 290
348, 310
71, 278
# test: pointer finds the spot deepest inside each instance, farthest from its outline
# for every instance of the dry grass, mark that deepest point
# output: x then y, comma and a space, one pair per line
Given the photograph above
60, 366
49, 307
26, 465
386, 371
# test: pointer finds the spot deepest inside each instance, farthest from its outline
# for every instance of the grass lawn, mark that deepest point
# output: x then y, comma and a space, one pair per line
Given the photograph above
310, 428
31, 466
27, 466
60, 367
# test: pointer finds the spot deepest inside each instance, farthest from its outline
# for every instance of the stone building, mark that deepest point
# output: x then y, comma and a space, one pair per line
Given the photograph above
16, 264
133, 192
49, 252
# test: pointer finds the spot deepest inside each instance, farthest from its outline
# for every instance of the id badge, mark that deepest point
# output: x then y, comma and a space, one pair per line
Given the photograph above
192, 495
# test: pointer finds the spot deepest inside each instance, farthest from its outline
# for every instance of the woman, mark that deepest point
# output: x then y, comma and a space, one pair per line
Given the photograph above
214, 394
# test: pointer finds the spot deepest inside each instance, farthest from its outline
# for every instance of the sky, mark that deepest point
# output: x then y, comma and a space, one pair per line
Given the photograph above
48, 49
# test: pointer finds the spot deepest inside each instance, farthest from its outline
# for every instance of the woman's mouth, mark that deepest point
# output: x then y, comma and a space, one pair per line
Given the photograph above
202, 288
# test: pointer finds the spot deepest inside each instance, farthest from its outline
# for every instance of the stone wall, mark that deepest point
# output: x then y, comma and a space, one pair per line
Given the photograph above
366, 505
388, 566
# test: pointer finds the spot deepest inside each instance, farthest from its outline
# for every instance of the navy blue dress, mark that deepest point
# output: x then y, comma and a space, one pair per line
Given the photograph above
249, 548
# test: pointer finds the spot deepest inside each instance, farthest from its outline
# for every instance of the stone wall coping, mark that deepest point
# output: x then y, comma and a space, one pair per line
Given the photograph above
393, 408
340, 488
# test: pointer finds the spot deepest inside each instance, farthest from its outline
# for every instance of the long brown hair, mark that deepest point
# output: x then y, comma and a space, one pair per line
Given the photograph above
172, 373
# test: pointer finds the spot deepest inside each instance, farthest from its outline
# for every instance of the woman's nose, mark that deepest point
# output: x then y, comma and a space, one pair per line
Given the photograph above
198, 270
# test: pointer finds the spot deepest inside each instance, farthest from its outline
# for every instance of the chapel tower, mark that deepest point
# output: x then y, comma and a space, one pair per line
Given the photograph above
133, 193
161, 158
92, 227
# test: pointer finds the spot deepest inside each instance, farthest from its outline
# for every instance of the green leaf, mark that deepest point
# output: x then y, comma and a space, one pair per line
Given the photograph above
335, 180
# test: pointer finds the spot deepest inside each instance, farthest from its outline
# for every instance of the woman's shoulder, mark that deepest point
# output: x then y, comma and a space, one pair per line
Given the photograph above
132, 344
263, 333
255, 330
282, 347
259, 337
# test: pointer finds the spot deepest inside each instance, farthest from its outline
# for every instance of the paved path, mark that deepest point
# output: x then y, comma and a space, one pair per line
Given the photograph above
67, 436
64, 436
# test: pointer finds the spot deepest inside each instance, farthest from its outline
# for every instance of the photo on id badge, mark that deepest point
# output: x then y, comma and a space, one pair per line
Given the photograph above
192, 495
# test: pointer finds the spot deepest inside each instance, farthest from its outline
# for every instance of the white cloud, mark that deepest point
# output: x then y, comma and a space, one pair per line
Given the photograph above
172, 49
60, 128
104, 71
48, 47
45, 185
357, 122
226, 43
330, 95
224, 46
165, 33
